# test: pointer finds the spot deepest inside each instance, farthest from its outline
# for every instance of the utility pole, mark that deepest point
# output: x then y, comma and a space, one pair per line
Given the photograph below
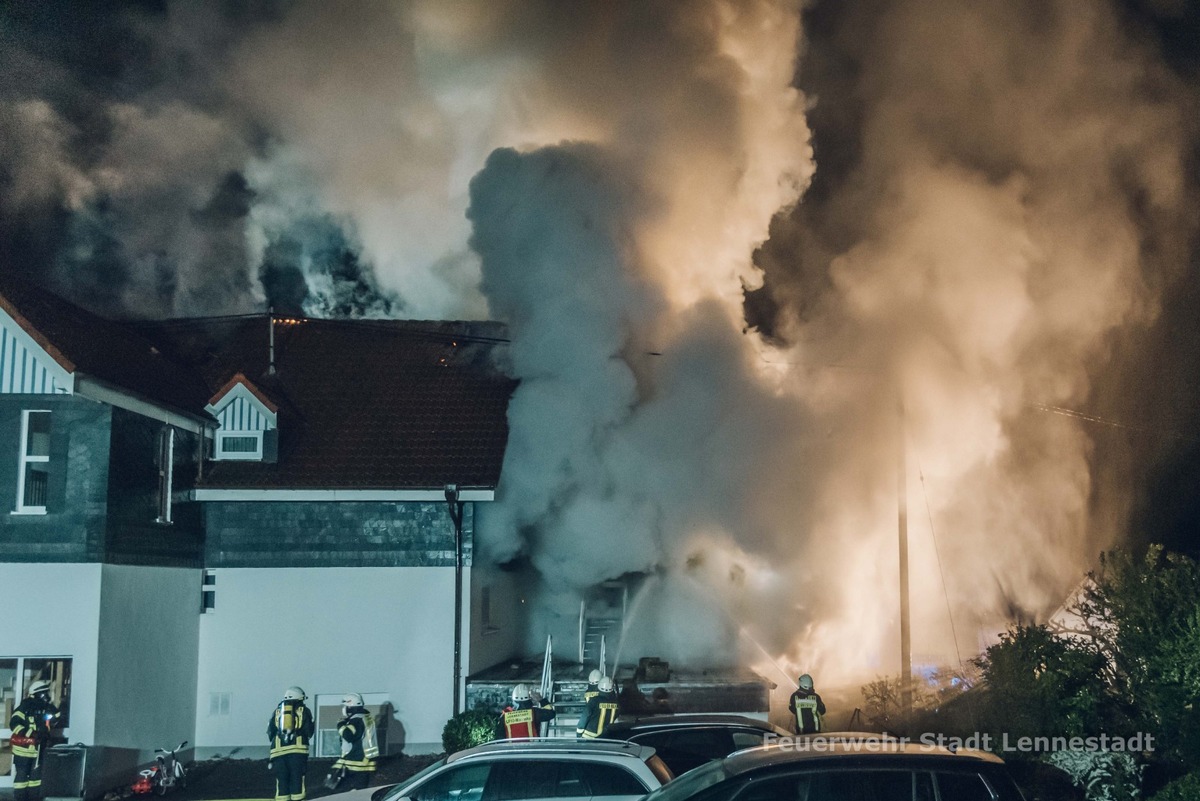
456, 516
905, 625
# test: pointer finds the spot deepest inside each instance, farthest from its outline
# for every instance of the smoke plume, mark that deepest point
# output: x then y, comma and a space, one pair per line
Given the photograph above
761, 261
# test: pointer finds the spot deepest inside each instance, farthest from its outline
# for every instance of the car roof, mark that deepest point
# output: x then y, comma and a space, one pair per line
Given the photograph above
553, 747
805, 749
689, 720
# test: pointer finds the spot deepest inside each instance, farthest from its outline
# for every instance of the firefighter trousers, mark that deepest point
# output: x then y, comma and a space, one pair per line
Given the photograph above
27, 778
289, 776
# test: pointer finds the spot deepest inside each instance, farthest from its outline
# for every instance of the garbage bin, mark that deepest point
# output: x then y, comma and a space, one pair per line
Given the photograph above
62, 772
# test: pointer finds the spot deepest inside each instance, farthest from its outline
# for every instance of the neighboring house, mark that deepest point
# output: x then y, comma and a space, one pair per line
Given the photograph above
205, 511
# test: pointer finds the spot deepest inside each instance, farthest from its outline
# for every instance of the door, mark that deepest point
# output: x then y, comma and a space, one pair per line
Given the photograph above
16, 674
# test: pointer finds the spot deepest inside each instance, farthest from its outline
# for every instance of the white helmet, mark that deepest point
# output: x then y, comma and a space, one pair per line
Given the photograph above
520, 693
40, 687
294, 693
593, 677
606, 684
806, 682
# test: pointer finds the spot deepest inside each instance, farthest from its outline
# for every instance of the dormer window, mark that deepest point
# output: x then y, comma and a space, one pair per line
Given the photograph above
246, 419
239, 445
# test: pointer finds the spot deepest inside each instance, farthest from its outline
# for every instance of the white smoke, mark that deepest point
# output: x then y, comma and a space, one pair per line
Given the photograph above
999, 201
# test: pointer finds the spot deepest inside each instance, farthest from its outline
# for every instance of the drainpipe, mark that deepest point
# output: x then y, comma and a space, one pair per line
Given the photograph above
456, 515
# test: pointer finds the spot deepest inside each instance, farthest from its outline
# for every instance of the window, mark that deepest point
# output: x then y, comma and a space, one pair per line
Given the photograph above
963, 787
834, 785
166, 469
208, 592
240, 445
463, 783
611, 780
33, 473
745, 738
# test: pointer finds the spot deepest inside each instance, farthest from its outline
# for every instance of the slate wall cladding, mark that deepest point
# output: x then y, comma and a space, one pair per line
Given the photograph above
73, 528
333, 534
134, 536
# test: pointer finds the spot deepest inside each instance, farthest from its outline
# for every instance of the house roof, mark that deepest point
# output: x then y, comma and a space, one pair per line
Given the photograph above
367, 404
364, 404
114, 353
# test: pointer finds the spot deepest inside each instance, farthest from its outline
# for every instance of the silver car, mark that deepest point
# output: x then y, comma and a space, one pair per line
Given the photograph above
531, 770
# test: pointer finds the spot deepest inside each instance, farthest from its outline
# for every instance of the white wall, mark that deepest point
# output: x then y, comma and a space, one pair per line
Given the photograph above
149, 642
54, 610
329, 630
504, 637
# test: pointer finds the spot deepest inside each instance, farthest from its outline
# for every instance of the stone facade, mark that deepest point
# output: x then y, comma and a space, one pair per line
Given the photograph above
323, 534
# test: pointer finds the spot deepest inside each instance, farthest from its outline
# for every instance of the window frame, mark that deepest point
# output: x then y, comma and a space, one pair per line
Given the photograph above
166, 474
24, 459
220, 454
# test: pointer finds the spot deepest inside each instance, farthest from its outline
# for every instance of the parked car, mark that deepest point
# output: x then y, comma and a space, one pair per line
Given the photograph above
872, 769
688, 741
531, 770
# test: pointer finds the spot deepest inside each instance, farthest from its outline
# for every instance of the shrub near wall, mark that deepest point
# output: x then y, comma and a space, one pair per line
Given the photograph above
469, 729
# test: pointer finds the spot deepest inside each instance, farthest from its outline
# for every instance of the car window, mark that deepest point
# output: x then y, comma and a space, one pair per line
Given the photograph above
691, 785
611, 779
511, 780
707, 743
963, 787
403, 788
744, 738
832, 785
686, 749
463, 783
923, 787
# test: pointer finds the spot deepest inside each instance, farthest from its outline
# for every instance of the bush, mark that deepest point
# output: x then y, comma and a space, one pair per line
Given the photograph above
468, 729
1185, 788
1103, 775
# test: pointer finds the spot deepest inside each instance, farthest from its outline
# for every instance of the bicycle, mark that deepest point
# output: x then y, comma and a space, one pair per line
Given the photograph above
167, 774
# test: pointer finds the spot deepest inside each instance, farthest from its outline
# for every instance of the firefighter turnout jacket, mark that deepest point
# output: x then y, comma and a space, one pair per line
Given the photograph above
807, 708
30, 724
601, 710
360, 746
290, 729
525, 720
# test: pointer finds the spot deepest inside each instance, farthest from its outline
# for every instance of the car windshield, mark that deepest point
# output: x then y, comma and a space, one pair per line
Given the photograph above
690, 783
401, 789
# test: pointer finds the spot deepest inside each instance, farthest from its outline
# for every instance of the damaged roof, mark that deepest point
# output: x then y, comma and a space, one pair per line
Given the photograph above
362, 404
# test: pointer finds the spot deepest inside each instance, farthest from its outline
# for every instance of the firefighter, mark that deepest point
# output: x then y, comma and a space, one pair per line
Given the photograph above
601, 710
290, 729
526, 715
31, 725
593, 686
806, 707
360, 746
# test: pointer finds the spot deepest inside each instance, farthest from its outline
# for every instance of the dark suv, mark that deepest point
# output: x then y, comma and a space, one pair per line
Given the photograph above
688, 741
844, 770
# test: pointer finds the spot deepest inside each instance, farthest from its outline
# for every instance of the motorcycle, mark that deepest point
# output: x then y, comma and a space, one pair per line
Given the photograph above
166, 774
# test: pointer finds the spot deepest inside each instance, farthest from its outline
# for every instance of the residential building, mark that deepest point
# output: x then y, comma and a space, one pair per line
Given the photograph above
203, 512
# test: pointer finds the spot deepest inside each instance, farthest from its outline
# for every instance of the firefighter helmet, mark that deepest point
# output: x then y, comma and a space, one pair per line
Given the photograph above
606, 684
520, 693
806, 682
594, 677
350, 701
40, 688
294, 693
